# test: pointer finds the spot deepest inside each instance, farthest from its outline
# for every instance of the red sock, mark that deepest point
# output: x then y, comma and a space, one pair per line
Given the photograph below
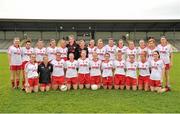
12, 83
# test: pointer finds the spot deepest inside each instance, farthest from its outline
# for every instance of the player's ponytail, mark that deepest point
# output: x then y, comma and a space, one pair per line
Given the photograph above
24, 41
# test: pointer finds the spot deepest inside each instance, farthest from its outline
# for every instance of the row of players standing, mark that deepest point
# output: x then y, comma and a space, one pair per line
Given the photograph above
163, 49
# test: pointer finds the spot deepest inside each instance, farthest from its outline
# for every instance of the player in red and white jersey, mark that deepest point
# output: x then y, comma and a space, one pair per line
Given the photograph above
40, 51
142, 47
26, 52
31, 75
101, 50
107, 72
95, 70
151, 48
58, 74
71, 72
15, 61
144, 72
166, 55
121, 48
91, 48
131, 73
83, 71
111, 49
157, 72
51, 50
119, 74
131, 50
63, 49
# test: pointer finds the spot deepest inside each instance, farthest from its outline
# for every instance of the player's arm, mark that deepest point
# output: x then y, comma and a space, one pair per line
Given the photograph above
113, 67
65, 68
9, 58
101, 67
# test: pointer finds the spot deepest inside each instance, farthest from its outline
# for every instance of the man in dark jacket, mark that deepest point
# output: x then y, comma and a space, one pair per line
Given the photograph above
82, 46
73, 47
45, 69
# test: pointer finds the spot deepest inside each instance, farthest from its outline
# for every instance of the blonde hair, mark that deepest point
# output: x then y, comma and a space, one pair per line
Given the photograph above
80, 41
60, 42
51, 40
16, 38
100, 41
121, 40
71, 36
130, 41
141, 41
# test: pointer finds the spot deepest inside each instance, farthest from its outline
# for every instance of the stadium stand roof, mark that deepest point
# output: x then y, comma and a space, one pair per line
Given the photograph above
89, 25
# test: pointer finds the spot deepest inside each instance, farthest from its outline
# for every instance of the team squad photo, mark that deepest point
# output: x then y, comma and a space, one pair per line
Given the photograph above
89, 56
70, 64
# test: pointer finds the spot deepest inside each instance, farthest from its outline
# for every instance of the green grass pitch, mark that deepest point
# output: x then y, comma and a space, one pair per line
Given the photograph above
87, 100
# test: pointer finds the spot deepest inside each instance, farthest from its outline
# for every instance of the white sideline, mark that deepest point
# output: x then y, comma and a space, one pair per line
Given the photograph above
3, 50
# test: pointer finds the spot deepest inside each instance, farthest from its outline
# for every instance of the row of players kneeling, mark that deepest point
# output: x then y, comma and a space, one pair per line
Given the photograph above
96, 82
105, 73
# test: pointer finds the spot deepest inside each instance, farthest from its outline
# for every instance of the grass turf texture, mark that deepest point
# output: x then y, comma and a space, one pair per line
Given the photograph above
88, 100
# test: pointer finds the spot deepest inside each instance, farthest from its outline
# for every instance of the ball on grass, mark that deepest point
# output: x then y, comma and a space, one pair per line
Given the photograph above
63, 88
94, 87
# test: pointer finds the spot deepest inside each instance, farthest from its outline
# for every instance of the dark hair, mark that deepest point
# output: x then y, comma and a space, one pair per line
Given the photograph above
71, 53
40, 40
58, 53
145, 52
151, 39
107, 54
157, 53
119, 51
132, 55
28, 41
